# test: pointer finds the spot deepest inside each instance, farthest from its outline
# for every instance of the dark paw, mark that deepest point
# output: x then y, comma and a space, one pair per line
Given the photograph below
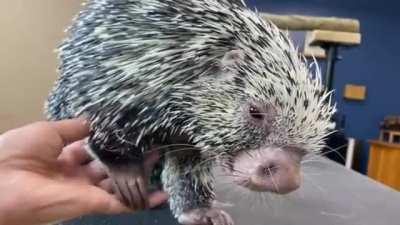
205, 216
129, 185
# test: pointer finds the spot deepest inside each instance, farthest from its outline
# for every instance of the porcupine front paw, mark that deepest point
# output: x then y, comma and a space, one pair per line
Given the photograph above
205, 216
130, 186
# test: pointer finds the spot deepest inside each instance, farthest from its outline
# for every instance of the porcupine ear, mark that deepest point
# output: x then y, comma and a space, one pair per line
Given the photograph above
225, 67
231, 59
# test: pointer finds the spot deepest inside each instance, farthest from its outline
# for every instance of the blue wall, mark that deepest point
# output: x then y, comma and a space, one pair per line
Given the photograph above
375, 63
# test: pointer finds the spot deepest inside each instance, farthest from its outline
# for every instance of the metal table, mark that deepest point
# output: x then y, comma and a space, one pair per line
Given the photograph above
330, 195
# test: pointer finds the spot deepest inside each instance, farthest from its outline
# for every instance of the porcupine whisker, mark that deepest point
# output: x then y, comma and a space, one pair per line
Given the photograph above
179, 150
192, 147
172, 145
240, 174
231, 189
314, 160
260, 199
212, 158
249, 154
280, 198
247, 195
335, 150
273, 180
227, 167
314, 174
242, 193
332, 150
230, 168
264, 200
198, 165
158, 148
244, 182
232, 176
316, 155
266, 197
253, 198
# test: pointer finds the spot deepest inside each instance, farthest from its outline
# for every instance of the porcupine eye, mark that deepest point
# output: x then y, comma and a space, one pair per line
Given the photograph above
255, 113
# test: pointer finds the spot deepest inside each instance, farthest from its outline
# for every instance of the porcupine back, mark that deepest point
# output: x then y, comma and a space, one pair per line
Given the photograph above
117, 49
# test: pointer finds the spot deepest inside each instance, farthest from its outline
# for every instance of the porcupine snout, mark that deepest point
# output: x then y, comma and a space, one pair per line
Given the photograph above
269, 169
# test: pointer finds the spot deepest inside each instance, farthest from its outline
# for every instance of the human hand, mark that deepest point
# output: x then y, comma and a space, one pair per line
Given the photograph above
46, 176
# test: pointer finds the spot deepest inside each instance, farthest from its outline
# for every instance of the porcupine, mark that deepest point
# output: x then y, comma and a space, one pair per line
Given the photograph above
210, 77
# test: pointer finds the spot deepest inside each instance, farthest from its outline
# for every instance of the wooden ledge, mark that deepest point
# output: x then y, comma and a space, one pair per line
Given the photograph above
307, 23
384, 144
320, 37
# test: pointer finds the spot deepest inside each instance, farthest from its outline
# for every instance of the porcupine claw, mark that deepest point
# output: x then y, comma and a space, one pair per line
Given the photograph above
130, 186
205, 216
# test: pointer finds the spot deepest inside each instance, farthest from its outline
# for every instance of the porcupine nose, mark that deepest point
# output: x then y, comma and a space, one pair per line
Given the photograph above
272, 170
280, 175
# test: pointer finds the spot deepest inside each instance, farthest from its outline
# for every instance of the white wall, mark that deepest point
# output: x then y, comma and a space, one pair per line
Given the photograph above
30, 30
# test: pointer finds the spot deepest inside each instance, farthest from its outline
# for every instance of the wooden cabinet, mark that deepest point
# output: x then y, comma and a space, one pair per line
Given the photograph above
384, 163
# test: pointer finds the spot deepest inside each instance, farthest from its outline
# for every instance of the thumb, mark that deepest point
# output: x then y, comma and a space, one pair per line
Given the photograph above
71, 130
100, 201
84, 201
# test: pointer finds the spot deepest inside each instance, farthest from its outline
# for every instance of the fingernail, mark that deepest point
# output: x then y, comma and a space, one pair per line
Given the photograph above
85, 121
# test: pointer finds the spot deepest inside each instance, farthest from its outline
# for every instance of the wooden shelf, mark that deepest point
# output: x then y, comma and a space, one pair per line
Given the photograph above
320, 37
384, 163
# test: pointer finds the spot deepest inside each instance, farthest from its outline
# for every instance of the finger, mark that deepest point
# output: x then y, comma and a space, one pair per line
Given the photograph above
223, 220
149, 162
134, 195
121, 193
106, 185
71, 130
141, 186
95, 172
75, 154
157, 198
115, 207
85, 200
103, 202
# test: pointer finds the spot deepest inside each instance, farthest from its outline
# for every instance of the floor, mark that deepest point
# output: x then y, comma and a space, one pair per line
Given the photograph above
330, 195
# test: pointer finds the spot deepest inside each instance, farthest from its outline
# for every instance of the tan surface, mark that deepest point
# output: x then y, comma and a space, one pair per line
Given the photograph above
384, 163
30, 31
299, 22
319, 37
